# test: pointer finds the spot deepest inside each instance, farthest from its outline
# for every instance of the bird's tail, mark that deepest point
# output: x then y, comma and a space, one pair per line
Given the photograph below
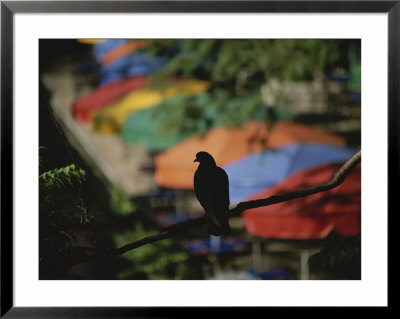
218, 226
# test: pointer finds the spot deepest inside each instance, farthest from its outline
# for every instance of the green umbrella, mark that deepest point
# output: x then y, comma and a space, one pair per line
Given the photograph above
146, 126
163, 125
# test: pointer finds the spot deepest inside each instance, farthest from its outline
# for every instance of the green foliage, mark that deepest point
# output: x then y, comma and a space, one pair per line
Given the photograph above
63, 221
61, 217
189, 115
340, 257
58, 178
58, 187
355, 78
120, 202
237, 69
241, 63
164, 259
131, 221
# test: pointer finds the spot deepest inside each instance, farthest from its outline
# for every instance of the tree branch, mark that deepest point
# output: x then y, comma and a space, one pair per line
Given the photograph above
338, 178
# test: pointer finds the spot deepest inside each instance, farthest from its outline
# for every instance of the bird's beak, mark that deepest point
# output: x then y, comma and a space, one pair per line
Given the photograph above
196, 160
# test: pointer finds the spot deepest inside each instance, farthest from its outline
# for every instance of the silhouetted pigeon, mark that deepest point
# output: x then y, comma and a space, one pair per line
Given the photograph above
211, 186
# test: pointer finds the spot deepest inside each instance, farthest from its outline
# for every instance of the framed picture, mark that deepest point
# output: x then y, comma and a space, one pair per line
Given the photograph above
33, 32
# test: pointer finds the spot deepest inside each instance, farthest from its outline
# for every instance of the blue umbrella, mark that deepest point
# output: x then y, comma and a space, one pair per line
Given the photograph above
135, 64
130, 65
258, 171
102, 48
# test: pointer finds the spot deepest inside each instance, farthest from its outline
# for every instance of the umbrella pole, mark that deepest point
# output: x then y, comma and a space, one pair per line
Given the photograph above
304, 256
256, 255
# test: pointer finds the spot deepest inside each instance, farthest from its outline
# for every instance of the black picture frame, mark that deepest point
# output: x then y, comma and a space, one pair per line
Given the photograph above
9, 8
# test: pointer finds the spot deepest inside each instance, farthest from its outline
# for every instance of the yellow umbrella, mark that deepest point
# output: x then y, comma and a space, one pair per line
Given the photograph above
111, 118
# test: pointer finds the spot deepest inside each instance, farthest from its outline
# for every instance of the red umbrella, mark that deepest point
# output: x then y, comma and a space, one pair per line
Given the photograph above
104, 95
310, 217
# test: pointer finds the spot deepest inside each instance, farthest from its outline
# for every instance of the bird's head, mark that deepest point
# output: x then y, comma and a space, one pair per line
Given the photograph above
205, 158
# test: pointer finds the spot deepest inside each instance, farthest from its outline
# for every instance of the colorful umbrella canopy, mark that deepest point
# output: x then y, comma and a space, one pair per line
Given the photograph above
261, 170
117, 60
148, 126
130, 65
310, 217
100, 49
110, 120
123, 50
144, 127
175, 167
102, 96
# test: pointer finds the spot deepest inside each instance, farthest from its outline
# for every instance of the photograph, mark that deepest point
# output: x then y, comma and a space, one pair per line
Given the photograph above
166, 158
153, 153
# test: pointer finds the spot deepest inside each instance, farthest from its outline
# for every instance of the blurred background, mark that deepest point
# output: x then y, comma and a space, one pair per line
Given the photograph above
120, 122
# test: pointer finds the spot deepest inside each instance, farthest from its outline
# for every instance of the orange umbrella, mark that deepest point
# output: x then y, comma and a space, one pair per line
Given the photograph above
123, 50
175, 167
